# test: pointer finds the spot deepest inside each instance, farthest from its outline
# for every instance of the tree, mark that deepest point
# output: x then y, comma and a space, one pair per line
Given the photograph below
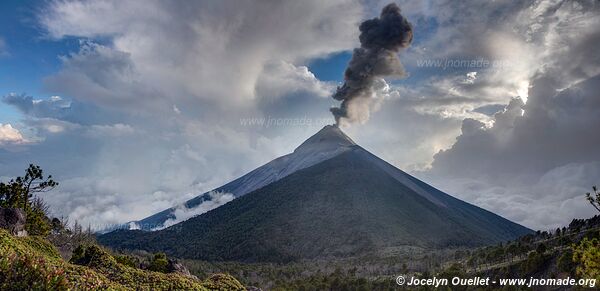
37, 222
594, 198
21, 193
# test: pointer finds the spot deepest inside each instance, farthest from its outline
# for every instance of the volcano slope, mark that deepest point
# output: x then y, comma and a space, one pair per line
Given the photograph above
351, 204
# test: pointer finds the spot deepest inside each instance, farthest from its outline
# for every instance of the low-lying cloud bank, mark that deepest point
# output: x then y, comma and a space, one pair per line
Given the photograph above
183, 213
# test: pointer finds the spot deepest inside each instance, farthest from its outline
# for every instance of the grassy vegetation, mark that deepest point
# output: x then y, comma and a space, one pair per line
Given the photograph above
33, 263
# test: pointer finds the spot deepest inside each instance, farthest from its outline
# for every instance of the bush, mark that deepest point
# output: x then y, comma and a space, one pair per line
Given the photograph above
37, 223
587, 257
127, 260
28, 273
159, 263
78, 256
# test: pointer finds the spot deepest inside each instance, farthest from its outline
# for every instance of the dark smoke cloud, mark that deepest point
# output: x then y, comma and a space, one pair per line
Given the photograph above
380, 40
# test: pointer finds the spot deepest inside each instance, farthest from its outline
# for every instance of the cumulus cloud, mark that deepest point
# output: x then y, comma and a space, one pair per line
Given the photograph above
107, 77
180, 50
10, 135
529, 143
540, 155
280, 78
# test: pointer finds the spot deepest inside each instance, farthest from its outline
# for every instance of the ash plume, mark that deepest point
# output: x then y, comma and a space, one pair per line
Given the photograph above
380, 41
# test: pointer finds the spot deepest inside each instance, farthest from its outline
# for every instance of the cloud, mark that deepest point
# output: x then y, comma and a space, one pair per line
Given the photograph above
552, 129
52, 107
546, 202
112, 130
10, 135
175, 53
65, 109
183, 213
490, 109
500, 155
104, 76
544, 152
150, 104
539, 157
280, 78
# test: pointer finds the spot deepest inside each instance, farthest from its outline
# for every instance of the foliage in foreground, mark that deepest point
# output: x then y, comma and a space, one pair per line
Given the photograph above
33, 263
587, 254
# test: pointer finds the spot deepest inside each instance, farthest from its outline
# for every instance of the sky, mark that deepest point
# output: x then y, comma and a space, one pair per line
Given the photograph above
137, 106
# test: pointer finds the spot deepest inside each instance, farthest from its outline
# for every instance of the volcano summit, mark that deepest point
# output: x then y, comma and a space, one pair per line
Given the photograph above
329, 198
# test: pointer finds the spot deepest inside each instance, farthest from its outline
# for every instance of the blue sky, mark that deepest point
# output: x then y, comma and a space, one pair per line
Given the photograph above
330, 68
29, 55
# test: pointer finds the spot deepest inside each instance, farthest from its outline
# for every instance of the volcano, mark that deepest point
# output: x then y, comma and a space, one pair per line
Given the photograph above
329, 198
327, 143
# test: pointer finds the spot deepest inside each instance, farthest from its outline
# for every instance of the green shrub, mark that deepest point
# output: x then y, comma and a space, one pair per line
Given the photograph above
159, 263
127, 260
78, 256
587, 256
37, 222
